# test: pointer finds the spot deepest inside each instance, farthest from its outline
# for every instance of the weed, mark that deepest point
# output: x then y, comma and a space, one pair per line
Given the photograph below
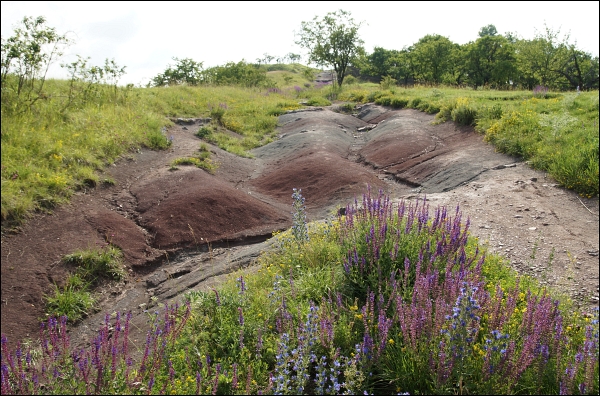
95, 264
73, 300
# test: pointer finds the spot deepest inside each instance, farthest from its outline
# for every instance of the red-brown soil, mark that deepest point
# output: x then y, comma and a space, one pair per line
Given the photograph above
179, 229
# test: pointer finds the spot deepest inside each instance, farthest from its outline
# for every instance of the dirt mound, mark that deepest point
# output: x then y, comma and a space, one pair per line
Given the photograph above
436, 157
163, 220
325, 179
189, 207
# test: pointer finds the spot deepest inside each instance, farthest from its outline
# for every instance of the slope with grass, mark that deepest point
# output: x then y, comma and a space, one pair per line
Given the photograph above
321, 287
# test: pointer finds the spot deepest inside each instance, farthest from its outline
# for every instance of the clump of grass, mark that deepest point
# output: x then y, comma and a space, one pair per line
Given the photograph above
74, 300
98, 263
201, 160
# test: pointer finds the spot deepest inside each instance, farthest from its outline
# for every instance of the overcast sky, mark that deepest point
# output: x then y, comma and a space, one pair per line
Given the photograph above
145, 36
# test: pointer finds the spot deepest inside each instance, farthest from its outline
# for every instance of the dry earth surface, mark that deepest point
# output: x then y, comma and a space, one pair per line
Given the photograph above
185, 229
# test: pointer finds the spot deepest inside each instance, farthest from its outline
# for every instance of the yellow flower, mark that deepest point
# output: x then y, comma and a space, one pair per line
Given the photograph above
358, 316
353, 308
391, 341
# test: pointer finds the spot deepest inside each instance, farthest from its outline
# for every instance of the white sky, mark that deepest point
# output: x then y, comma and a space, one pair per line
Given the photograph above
144, 36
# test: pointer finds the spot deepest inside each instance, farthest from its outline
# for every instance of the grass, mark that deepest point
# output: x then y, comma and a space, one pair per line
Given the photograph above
389, 298
75, 300
200, 160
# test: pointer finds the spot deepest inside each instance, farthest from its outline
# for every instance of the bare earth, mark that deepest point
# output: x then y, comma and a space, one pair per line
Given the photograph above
186, 229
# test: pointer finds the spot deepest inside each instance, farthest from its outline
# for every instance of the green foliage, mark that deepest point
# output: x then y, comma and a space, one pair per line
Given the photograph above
94, 83
432, 58
332, 41
492, 60
387, 82
351, 80
240, 73
205, 132
185, 71
72, 300
99, 263
201, 160
91, 265
26, 56
318, 101
489, 30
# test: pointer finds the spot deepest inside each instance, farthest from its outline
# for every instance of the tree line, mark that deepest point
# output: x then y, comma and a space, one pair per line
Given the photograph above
492, 60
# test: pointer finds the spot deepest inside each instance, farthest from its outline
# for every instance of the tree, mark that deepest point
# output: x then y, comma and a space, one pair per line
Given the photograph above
27, 55
432, 57
332, 41
490, 60
185, 71
489, 30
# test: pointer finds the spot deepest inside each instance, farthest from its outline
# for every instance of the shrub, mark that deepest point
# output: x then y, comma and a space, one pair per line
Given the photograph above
318, 101
398, 103
464, 114
157, 140
350, 80
205, 132
387, 82
414, 103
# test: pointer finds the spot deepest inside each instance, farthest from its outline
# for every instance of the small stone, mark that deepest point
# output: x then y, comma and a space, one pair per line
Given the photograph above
532, 228
518, 217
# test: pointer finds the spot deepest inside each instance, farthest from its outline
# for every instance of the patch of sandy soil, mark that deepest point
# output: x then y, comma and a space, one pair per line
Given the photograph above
186, 229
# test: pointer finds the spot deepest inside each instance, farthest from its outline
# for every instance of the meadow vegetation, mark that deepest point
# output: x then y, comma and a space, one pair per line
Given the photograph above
390, 298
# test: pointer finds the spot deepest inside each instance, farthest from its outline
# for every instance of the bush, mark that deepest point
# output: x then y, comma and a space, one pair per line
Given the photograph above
387, 82
399, 103
318, 101
414, 103
350, 80
157, 140
464, 115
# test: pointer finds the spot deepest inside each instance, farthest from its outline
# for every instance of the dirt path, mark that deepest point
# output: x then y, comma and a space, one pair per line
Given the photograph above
186, 229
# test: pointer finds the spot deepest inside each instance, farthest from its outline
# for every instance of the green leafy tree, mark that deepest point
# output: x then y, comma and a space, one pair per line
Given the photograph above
185, 71
293, 58
490, 61
26, 57
538, 59
489, 30
554, 62
332, 41
432, 56
578, 68
378, 63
